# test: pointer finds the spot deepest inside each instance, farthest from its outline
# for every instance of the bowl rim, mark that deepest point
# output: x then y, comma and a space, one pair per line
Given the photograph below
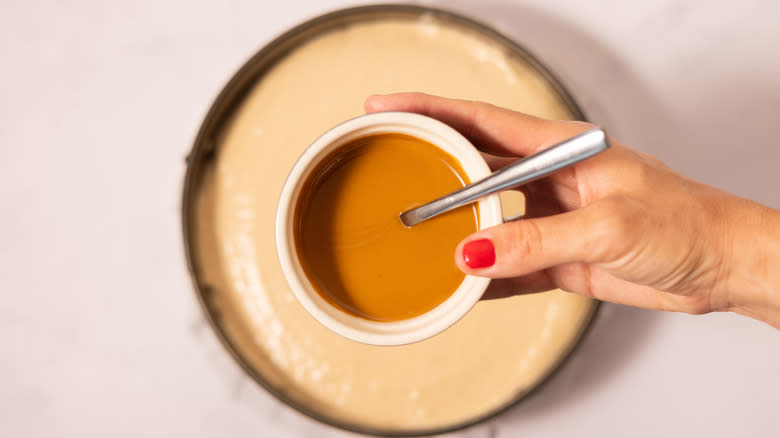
353, 327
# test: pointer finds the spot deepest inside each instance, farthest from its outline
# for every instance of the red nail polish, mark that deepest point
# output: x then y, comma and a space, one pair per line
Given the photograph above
479, 254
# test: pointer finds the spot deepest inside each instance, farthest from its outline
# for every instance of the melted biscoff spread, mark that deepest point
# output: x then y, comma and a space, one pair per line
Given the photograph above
351, 242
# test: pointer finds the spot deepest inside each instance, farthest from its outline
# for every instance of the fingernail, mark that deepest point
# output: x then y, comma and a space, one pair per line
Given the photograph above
479, 254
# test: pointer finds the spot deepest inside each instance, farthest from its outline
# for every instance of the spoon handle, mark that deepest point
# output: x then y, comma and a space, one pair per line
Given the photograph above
531, 168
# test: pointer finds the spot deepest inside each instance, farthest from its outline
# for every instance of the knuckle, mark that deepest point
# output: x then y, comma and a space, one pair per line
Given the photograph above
642, 174
526, 240
613, 223
480, 115
481, 112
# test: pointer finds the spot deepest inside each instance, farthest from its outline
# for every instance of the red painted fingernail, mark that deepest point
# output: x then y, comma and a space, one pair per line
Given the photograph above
479, 254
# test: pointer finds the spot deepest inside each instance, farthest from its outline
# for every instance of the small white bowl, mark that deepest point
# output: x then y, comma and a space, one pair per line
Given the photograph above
359, 329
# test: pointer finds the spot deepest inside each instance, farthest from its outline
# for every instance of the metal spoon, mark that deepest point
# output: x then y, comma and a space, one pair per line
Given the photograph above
531, 168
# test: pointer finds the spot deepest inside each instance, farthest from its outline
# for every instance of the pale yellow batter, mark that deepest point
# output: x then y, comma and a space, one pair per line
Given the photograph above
499, 350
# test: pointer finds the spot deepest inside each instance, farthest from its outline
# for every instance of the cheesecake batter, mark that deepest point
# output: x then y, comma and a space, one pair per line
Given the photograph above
500, 350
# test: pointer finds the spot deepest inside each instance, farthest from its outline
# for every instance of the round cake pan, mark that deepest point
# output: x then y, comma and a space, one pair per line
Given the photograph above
202, 157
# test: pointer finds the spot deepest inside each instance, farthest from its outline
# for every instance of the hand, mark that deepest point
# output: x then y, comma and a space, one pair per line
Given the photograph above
620, 226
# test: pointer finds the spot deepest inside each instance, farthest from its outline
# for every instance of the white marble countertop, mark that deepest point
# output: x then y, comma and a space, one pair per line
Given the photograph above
100, 334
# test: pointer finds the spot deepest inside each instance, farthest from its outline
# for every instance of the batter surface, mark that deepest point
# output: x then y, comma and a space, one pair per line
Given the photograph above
500, 349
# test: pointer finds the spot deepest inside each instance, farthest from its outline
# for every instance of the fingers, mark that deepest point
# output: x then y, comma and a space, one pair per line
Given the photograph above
582, 279
594, 282
520, 248
495, 130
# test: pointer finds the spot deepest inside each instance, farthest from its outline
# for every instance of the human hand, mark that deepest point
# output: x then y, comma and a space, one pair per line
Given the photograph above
620, 226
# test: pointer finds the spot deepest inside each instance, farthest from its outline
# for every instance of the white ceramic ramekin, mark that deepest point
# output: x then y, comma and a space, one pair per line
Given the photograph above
359, 329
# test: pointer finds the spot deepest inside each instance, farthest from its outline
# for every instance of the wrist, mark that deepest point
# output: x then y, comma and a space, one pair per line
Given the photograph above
753, 283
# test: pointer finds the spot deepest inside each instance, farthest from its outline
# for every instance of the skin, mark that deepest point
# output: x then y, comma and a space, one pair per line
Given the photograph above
620, 227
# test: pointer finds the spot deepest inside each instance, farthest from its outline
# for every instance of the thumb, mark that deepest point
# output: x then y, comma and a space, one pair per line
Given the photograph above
529, 245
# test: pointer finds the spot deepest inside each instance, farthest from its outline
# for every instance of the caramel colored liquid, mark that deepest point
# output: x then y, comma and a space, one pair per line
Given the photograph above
351, 242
